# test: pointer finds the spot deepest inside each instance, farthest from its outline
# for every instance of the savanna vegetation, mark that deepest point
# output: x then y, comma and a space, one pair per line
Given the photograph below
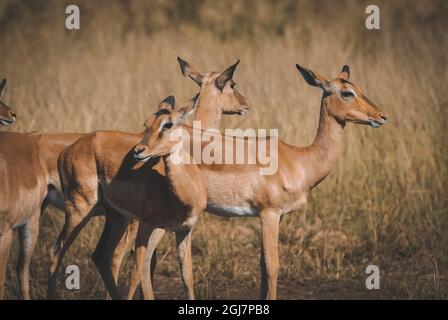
385, 202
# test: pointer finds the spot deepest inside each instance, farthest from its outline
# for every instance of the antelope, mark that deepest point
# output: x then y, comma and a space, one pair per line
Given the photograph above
239, 190
7, 116
99, 168
30, 182
29, 172
182, 195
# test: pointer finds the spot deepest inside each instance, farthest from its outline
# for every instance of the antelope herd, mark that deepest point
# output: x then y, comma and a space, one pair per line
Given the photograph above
134, 180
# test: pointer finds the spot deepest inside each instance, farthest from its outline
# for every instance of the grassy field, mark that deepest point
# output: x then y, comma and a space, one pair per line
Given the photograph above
384, 203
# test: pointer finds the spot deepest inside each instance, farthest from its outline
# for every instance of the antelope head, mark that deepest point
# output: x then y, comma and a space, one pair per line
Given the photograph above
344, 100
158, 128
7, 116
219, 87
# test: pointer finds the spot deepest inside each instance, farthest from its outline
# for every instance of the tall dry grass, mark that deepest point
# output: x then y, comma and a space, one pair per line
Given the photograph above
385, 201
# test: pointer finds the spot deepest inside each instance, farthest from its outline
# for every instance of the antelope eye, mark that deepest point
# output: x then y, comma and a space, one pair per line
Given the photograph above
167, 126
233, 85
347, 94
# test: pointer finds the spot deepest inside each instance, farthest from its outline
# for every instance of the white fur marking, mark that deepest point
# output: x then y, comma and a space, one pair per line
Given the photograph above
232, 211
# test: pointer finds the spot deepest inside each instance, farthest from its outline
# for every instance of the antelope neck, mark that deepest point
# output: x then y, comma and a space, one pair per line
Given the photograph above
322, 154
208, 112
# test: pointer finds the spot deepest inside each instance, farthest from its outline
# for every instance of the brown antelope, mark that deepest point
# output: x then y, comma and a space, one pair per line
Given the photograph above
239, 190
30, 181
99, 168
7, 116
182, 194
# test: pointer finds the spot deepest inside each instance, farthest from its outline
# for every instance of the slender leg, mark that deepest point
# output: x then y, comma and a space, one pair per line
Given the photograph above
103, 261
183, 243
150, 262
76, 218
5, 245
102, 243
269, 261
28, 235
141, 242
264, 279
124, 246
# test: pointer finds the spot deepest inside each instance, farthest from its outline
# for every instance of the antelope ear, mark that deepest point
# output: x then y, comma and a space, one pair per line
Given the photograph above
2, 86
227, 75
189, 71
345, 73
167, 104
312, 78
187, 109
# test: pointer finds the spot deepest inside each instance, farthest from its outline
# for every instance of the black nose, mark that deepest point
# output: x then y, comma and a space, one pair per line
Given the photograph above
384, 118
138, 150
13, 114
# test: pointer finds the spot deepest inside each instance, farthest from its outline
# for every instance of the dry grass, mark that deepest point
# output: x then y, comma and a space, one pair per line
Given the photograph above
385, 202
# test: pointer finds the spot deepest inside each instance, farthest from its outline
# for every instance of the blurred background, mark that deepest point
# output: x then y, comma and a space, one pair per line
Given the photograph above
385, 202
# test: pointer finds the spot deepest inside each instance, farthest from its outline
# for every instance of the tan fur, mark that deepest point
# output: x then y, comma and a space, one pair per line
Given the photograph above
99, 170
29, 175
184, 194
300, 169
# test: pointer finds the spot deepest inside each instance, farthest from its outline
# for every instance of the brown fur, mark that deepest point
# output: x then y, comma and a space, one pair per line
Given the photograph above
106, 156
300, 169
30, 182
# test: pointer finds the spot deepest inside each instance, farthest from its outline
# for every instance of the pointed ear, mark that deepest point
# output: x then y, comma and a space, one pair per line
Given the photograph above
187, 109
2, 86
166, 106
189, 71
345, 73
227, 75
313, 79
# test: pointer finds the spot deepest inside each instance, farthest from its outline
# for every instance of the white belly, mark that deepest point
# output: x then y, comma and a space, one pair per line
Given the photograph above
232, 211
